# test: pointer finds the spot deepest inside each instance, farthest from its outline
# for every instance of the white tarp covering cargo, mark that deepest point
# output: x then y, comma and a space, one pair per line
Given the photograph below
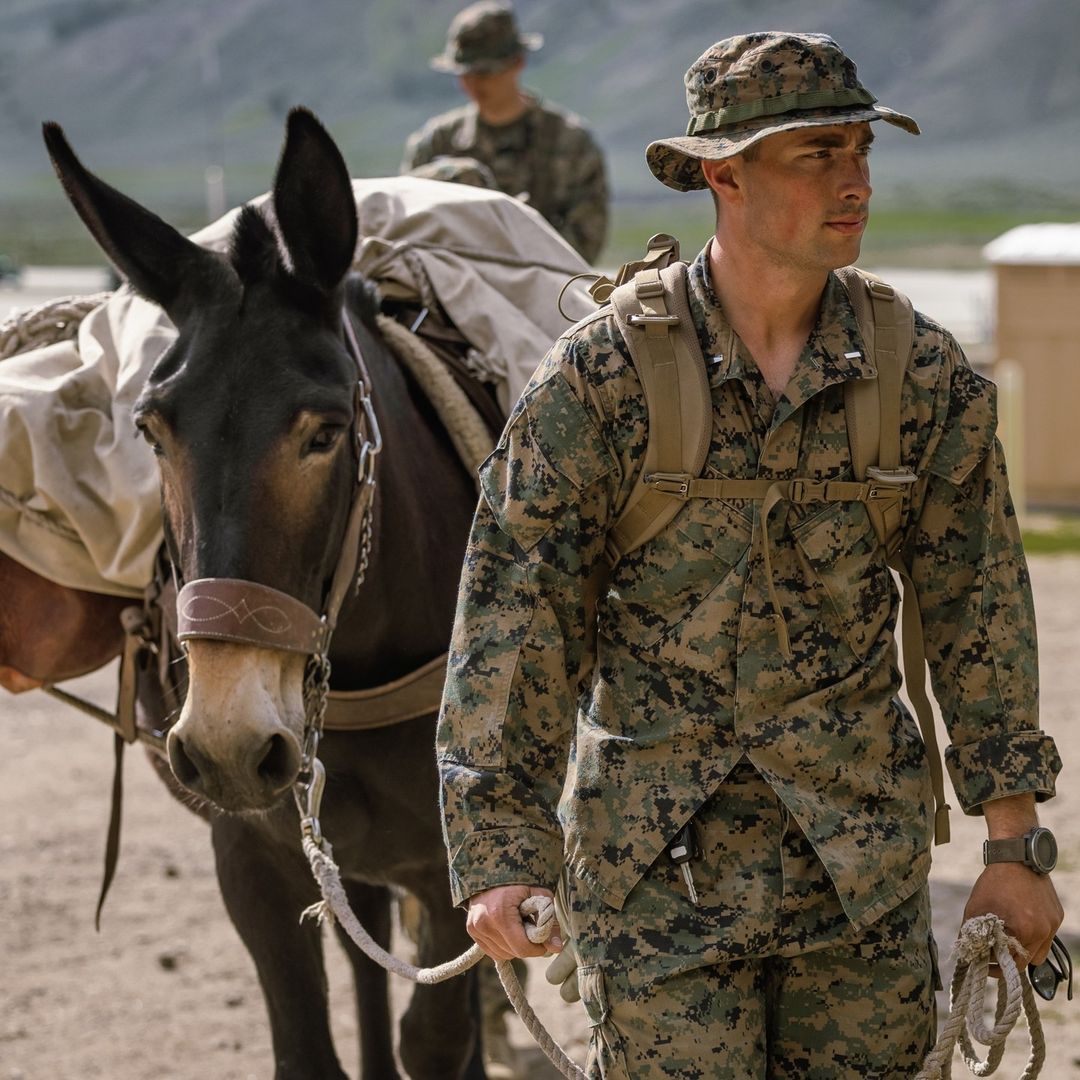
79, 490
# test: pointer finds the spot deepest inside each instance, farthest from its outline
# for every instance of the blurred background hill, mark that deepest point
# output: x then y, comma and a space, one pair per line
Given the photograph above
151, 92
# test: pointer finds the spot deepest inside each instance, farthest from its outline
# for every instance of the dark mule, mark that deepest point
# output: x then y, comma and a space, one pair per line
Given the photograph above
252, 414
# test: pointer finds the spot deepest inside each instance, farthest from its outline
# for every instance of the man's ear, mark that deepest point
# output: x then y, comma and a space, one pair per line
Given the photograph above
723, 178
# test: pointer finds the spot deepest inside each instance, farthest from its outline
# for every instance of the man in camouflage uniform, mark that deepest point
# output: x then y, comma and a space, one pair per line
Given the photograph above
535, 149
580, 735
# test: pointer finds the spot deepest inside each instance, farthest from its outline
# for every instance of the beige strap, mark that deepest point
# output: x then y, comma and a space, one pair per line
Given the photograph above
653, 314
911, 636
413, 695
887, 324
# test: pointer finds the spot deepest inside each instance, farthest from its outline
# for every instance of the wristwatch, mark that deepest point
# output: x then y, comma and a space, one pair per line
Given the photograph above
1036, 849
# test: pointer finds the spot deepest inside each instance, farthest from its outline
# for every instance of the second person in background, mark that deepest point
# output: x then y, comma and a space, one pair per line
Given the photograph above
535, 150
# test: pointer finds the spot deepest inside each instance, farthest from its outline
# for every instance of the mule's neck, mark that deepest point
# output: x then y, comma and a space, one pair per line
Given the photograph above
424, 500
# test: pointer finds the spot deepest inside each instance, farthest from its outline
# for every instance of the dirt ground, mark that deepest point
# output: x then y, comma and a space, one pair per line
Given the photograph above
167, 992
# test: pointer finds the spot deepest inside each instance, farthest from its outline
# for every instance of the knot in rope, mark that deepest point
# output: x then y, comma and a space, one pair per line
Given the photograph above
538, 915
983, 941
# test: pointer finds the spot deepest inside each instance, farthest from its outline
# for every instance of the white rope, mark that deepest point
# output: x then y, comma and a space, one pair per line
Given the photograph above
983, 941
46, 324
540, 909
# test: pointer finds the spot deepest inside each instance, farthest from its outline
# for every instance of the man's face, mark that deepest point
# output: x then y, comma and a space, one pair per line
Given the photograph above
491, 90
805, 195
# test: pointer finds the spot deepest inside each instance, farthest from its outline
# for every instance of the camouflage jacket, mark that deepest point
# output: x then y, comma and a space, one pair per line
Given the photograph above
547, 153
684, 675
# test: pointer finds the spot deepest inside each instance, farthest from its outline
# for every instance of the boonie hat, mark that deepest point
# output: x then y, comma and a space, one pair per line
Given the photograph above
483, 39
747, 87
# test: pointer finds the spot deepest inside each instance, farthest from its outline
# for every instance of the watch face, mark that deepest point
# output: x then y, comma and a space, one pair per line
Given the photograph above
1044, 850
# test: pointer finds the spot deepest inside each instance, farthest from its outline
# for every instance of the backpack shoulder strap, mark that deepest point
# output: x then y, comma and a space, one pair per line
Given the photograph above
887, 325
652, 312
872, 407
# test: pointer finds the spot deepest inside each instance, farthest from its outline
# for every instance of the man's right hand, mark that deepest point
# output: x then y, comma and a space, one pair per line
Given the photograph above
495, 923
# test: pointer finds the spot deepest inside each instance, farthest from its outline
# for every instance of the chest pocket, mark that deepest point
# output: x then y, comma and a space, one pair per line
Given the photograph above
661, 584
841, 555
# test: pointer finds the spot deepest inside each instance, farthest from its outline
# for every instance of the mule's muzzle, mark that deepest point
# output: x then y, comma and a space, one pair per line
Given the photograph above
265, 772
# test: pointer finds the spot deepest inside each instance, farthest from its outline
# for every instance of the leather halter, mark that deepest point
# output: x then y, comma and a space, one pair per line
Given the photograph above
231, 609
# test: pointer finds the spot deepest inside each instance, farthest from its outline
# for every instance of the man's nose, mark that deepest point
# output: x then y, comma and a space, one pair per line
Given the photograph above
855, 183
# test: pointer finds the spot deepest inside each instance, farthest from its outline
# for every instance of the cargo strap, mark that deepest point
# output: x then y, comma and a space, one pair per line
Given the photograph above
650, 305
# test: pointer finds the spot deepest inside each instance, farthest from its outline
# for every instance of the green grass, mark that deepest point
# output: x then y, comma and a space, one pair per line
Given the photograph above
1053, 536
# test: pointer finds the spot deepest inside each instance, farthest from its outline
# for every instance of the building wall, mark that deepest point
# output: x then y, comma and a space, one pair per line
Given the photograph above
1038, 326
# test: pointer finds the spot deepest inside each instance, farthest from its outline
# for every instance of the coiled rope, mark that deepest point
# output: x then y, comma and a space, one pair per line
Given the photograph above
983, 941
46, 324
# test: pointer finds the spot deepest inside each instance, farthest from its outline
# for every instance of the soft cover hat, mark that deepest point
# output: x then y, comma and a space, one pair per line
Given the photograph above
483, 39
748, 87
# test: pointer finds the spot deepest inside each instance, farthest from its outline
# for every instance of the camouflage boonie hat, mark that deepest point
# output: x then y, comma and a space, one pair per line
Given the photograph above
482, 40
457, 170
745, 88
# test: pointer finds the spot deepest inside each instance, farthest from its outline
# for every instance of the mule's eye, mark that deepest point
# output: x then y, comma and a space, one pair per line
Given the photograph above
144, 430
324, 439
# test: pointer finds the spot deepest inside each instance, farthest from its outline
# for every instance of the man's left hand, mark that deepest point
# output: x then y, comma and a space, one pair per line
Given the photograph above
1025, 901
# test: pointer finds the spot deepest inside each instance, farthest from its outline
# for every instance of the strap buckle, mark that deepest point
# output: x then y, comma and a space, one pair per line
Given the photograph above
891, 477
801, 491
880, 290
676, 484
653, 320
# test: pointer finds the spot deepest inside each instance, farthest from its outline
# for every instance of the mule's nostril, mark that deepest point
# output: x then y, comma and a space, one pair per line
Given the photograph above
184, 768
279, 764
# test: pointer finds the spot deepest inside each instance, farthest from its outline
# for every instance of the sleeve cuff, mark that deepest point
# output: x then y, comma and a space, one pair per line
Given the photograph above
504, 857
1011, 763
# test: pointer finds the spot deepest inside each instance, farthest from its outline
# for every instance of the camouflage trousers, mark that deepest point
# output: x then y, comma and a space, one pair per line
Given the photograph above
765, 978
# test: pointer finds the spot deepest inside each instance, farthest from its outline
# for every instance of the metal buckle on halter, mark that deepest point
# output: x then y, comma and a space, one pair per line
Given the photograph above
677, 484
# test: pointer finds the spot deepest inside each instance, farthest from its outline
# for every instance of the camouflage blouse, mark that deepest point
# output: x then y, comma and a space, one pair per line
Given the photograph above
547, 153
585, 728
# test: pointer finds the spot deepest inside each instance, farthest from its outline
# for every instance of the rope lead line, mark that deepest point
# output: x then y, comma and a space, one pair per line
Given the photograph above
335, 905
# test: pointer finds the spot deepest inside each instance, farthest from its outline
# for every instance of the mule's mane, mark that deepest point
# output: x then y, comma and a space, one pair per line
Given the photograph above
257, 256
254, 251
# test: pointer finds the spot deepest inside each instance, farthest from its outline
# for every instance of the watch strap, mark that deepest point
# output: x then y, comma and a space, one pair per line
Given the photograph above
1011, 849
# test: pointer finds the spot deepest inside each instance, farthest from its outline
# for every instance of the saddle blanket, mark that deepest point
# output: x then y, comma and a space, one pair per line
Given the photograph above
79, 490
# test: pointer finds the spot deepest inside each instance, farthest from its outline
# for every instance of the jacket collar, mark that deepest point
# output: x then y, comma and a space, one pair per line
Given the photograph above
834, 352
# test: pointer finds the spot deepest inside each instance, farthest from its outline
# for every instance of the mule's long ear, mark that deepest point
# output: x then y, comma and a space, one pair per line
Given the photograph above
160, 263
313, 201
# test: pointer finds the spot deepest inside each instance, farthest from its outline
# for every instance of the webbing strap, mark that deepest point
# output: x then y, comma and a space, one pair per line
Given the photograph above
911, 636
656, 325
653, 314
890, 374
